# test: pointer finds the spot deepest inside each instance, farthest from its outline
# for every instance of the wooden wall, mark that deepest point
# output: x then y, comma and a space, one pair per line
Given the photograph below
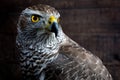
94, 24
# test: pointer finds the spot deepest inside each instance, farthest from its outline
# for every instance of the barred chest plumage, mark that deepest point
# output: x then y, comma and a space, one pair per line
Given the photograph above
36, 53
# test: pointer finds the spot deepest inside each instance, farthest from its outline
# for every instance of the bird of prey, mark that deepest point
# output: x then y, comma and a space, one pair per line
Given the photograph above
47, 53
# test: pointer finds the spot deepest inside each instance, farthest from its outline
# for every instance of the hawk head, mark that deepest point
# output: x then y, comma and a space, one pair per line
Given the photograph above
39, 24
43, 18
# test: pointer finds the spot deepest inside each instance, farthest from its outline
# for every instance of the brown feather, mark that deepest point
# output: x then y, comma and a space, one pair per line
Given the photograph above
45, 8
76, 63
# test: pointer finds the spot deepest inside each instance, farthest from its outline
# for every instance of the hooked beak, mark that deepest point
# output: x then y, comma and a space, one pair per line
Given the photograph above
53, 25
54, 28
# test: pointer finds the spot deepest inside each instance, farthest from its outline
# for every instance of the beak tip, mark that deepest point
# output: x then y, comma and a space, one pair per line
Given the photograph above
54, 28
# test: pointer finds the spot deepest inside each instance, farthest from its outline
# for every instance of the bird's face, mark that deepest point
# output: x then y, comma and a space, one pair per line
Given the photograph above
42, 19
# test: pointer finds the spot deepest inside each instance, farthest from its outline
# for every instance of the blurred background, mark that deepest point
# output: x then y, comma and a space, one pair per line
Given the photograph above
94, 24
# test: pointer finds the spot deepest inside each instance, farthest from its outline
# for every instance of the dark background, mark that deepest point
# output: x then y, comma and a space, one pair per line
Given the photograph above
94, 24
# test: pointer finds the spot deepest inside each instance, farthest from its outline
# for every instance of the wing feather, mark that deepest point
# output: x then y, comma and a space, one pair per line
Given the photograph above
76, 63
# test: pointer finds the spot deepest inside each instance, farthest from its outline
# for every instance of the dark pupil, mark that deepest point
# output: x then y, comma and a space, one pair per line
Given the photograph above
35, 17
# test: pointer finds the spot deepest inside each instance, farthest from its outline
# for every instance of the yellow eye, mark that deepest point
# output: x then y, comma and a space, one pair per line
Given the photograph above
35, 18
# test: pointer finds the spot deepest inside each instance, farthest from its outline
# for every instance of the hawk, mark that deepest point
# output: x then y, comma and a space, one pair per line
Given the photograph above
47, 53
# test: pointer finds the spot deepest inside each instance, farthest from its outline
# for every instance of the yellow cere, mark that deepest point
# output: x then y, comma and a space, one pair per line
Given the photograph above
35, 18
52, 19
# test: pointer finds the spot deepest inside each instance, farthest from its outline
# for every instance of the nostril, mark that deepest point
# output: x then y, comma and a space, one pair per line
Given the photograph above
49, 22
